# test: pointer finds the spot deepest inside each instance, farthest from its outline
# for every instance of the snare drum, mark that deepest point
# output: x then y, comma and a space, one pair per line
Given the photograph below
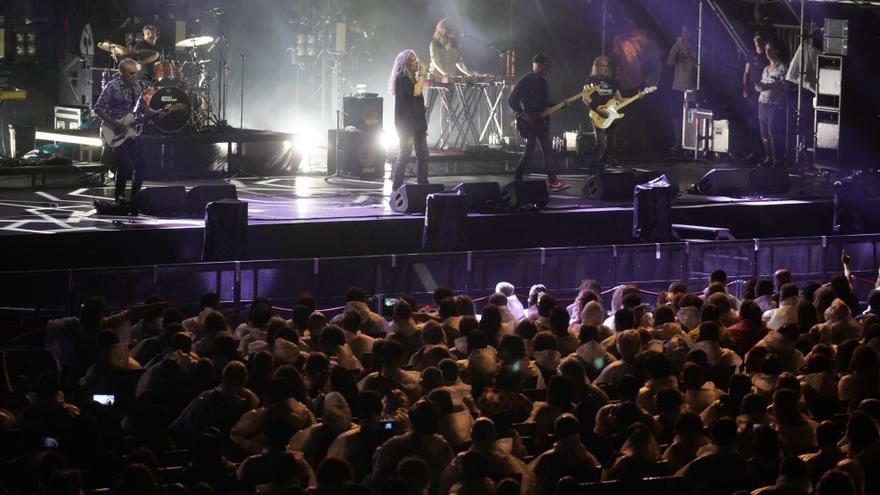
163, 98
168, 73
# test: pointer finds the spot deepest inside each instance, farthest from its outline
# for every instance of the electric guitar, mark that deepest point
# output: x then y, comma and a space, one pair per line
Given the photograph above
613, 108
114, 139
532, 124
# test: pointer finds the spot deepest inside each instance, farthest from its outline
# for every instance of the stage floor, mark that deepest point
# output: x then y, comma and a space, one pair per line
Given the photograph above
298, 199
308, 216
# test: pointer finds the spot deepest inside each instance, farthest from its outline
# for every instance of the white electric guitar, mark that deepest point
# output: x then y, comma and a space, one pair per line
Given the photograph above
613, 107
114, 139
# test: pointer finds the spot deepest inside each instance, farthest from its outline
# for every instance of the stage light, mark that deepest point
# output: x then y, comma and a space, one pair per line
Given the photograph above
388, 139
305, 141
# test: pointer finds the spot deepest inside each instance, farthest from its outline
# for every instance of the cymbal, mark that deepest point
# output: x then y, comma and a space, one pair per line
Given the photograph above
194, 42
144, 56
114, 48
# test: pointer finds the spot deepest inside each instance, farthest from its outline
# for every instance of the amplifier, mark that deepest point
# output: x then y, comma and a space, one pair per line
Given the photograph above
362, 112
70, 118
356, 154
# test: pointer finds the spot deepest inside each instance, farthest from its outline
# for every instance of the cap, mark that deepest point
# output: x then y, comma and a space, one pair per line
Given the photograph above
540, 58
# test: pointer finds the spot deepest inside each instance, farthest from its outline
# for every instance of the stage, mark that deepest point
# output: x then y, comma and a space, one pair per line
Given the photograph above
304, 216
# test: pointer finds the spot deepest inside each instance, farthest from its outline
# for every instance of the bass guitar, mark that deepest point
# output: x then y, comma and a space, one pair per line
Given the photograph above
114, 139
532, 124
613, 107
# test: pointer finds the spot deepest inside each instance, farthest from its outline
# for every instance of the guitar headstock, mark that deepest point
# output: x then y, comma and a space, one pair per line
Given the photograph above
589, 89
648, 90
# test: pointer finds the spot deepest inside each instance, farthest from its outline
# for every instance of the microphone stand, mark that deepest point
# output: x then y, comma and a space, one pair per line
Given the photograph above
241, 109
222, 68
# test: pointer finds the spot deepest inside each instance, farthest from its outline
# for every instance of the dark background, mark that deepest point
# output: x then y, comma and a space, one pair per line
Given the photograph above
280, 93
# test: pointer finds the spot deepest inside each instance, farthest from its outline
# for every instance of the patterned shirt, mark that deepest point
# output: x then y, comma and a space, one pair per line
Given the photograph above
117, 99
773, 74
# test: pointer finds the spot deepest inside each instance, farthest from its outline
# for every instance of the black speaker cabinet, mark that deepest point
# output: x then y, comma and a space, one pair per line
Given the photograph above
724, 182
480, 196
445, 217
199, 196
225, 230
163, 201
363, 113
526, 194
611, 183
769, 180
355, 153
410, 198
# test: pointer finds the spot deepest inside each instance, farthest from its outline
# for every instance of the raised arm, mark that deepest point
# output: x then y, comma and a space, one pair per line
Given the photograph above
847, 270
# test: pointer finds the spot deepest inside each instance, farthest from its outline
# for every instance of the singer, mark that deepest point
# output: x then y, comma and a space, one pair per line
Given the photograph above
406, 83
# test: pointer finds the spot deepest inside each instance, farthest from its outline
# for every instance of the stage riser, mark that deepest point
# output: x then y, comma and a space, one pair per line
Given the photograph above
403, 235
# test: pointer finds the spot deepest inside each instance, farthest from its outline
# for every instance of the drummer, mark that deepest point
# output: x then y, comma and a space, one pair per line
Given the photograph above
148, 70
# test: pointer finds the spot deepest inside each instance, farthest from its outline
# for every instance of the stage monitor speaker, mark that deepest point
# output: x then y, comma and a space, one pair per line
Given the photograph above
198, 197
526, 194
724, 182
769, 180
611, 183
480, 196
225, 230
652, 211
850, 196
163, 201
362, 112
411, 198
445, 217
354, 153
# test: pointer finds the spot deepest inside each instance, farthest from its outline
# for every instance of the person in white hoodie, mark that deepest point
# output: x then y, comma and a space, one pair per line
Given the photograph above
508, 321
372, 324
786, 313
195, 325
764, 294
513, 303
315, 441
112, 358
592, 355
708, 343
629, 344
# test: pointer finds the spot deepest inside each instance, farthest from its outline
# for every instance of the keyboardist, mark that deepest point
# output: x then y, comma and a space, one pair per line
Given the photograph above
446, 61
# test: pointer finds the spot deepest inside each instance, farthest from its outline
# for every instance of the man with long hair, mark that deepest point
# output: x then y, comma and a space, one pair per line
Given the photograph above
606, 89
406, 83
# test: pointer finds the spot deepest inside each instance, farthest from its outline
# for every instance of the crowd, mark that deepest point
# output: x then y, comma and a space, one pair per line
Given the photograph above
703, 393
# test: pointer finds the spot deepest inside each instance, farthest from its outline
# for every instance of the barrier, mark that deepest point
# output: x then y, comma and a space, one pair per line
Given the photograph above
650, 266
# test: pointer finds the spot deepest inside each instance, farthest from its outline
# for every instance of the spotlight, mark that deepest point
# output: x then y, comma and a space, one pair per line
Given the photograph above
388, 139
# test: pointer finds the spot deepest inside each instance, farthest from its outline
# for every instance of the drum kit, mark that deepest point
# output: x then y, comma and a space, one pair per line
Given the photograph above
185, 81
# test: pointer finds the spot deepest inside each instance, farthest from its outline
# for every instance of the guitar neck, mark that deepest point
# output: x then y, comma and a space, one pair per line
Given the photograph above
627, 101
561, 104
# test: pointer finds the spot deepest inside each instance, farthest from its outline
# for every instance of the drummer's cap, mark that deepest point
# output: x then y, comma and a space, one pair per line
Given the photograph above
148, 27
542, 59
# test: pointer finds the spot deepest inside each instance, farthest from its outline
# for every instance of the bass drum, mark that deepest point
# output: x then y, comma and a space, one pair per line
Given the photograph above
163, 98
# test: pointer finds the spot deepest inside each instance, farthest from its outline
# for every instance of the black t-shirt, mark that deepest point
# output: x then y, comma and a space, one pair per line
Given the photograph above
756, 70
147, 69
531, 94
409, 110
607, 88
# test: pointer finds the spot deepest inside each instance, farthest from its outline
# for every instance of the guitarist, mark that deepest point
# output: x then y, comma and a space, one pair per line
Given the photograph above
600, 77
121, 96
529, 98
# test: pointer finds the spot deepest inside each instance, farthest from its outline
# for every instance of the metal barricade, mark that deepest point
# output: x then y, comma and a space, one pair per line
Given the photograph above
650, 266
